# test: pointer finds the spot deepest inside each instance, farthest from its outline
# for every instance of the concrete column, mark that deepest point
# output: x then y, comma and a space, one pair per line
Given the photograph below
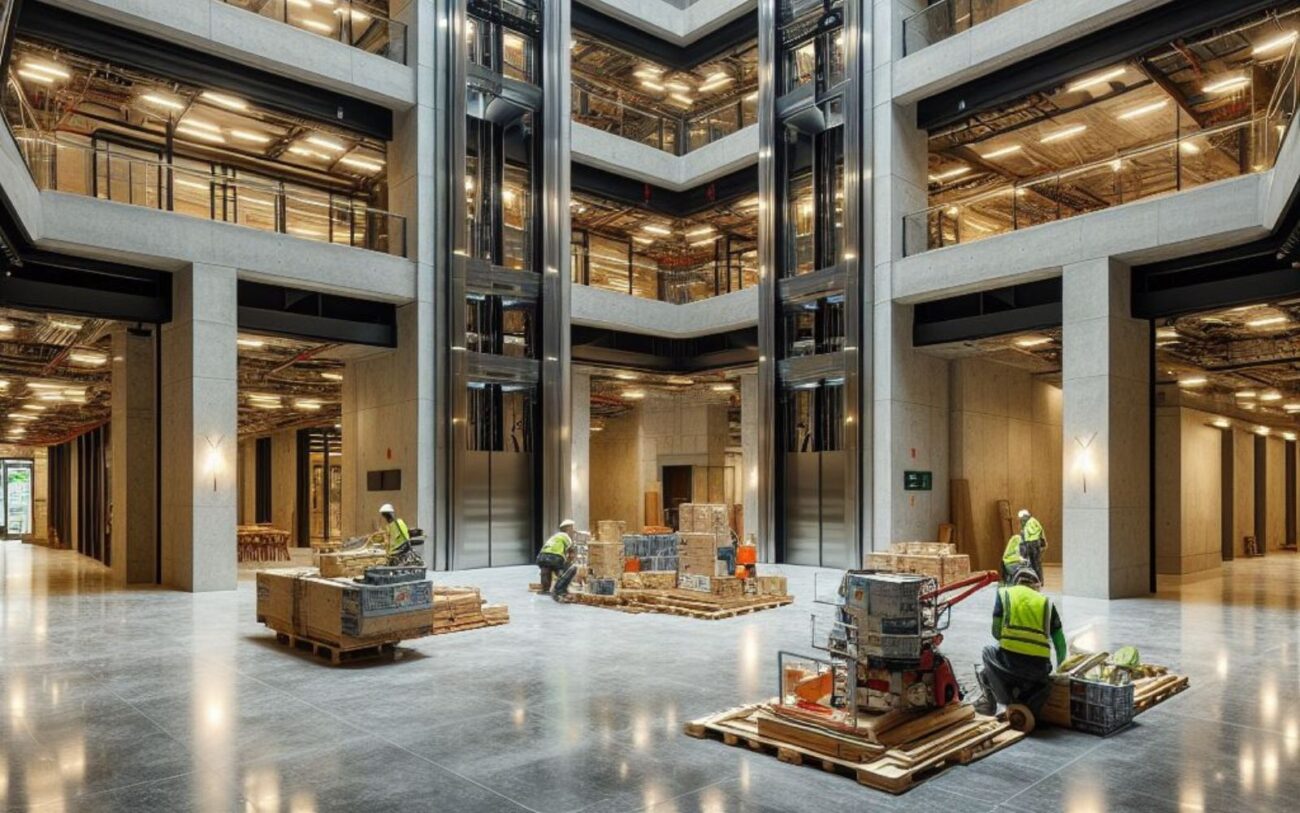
200, 431
749, 454
134, 483
580, 452
1106, 369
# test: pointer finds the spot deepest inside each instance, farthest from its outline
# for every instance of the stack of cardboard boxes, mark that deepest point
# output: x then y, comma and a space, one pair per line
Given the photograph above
605, 552
935, 559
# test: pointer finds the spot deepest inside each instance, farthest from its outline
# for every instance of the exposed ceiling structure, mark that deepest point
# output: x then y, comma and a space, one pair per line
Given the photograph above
288, 383
610, 72
1245, 358
54, 376
1037, 352
1191, 88
365, 18
616, 392
669, 242
58, 94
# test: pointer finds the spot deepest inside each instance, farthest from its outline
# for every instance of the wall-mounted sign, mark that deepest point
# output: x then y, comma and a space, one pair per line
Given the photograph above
918, 481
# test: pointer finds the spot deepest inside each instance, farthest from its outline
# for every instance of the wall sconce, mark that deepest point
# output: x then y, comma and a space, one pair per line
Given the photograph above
213, 462
1084, 464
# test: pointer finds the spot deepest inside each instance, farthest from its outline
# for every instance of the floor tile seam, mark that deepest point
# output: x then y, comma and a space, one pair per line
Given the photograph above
142, 713
457, 774
106, 791
684, 794
1221, 721
1100, 742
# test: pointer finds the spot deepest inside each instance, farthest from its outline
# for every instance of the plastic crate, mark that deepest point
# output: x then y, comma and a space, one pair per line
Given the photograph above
383, 574
1100, 708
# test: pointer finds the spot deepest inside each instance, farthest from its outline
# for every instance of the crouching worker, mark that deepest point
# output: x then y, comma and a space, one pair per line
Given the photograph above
553, 561
1016, 671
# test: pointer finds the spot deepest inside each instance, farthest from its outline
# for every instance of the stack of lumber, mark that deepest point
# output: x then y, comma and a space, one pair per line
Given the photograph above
350, 562
705, 606
456, 609
936, 559
891, 752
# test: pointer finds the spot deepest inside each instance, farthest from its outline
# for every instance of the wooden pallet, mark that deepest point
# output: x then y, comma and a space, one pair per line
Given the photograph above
1154, 691
682, 602
339, 654
895, 769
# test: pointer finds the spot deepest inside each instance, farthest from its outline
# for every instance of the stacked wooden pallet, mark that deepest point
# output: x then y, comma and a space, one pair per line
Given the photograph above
457, 609
689, 603
890, 752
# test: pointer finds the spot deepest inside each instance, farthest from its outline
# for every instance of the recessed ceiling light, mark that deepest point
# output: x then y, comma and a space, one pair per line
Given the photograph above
1262, 430
1222, 423
252, 344
949, 174
330, 376
1002, 152
1063, 134
231, 102
325, 143
1225, 85
1193, 381
1033, 341
163, 101
250, 136
1145, 109
1099, 79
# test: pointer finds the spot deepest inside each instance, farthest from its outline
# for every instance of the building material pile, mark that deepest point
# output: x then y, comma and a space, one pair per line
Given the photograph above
345, 618
349, 563
891, 752
1091, 693
936, 559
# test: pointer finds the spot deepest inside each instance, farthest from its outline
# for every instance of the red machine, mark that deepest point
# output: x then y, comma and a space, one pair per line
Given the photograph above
946, 689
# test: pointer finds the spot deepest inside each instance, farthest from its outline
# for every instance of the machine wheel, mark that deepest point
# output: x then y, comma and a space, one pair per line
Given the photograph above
1020, 718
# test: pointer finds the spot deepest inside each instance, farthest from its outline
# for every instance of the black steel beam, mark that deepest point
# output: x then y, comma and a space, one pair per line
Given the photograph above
607, 185
1055, 67
1230, 291
134, 49
970, 328
315, 316
639, 351
63, 284
676, 57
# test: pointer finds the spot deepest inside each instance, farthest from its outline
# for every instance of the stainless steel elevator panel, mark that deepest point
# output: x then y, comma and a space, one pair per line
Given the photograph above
474, 535
803, 509
512, 508
837, 549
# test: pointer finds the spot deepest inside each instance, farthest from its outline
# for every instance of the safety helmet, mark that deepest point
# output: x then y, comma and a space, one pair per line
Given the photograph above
1026, 576
1024, 513
568, 523
387, 508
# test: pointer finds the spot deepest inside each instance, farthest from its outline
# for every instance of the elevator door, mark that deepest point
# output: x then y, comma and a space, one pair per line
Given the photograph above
498, 509
815, 470
803, 508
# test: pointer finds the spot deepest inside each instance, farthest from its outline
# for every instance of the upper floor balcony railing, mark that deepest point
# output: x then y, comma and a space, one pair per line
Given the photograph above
350, 22
264, 203
677, 136
606, 265
1189, 160
947, 18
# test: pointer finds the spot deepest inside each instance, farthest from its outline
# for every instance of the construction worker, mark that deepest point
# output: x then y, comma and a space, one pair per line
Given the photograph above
1011, 560
553, 560
1033, 541
396, 536
1028, 629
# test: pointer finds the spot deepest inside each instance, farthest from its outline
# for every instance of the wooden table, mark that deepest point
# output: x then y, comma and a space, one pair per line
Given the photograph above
262, 543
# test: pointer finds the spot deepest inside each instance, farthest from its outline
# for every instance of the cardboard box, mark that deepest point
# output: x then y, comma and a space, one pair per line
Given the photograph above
770, 585
605, 560
340, 611
610, 531
349, 563
924, 548
700, 584
727, 587
685, 518
880, 561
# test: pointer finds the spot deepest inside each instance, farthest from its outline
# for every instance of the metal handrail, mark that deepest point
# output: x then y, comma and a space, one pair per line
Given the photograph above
348, 12
170, 176
680, 125
958, 22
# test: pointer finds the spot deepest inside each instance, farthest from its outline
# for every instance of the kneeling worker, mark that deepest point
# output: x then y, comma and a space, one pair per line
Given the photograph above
1011, 559
1034, 541
553, 560
397, 536
1027, 628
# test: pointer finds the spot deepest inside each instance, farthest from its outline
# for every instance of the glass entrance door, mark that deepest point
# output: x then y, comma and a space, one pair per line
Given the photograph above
17, 476
321, 486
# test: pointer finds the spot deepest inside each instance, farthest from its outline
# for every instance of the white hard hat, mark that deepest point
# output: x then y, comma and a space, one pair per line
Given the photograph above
568, 523
1024, 513
387, 508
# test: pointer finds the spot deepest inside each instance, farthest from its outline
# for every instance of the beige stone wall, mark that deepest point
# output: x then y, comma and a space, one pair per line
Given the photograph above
1005, 439
1189, 491
1275, 506
616, 471
1243, 489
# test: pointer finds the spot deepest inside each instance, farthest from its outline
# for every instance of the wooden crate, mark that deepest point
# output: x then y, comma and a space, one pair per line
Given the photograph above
924, 548
771, 585
604, 560
880, 561
610, 531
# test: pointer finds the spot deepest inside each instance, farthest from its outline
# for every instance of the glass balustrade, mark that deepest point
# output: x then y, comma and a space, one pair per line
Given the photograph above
948, 18
610, 265
677, 136
191, 188
360, 25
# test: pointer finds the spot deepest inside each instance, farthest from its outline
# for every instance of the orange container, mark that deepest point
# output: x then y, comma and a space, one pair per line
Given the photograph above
631, 565
747, 555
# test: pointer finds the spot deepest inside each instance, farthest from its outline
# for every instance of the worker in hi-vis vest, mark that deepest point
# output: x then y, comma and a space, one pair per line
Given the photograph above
1027, 628
1033, 541
1011, 559
553, 560
396, 536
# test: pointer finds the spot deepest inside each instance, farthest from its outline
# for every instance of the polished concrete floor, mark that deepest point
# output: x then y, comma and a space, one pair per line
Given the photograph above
150, 700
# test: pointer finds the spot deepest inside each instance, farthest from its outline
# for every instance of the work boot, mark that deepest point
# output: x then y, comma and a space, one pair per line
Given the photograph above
986, 704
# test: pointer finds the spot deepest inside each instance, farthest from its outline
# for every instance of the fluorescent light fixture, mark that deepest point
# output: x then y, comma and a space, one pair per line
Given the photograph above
626, 376
1225, 85
330, 376
1288, 435
753, 97
1099, 79
1262, 430
1193, 381
1275, 44
202, 135
51, 69
1271, 395
6, 327
1292, 407
303, 151
700, 232
35, 407
230, 102
1246, 394
1189, 148
655, 86
1033, 341
1166, 332
723, 388
645, 241
364, 164
708, 241
317, 25
1222, 423
309, 406
1002, 152
949, 174
63, 324
680, 87
1063, 134
199, 124
678, 381
1267, 321
162, 101
633, 395
19, 416
686, 100
325, 143
252, 344
34, 76
250, 136
656, 229
1144, 110
88, 358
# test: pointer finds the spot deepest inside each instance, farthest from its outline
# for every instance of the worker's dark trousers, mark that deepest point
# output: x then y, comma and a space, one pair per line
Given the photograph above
1032, 552
551, 565
1017, 678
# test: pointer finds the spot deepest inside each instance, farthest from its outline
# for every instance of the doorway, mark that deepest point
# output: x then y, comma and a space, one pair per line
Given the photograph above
678, 489
320, 487
17, 476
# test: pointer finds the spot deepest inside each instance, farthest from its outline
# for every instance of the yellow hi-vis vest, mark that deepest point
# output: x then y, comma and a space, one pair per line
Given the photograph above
1033, 531
558, 544
1011, 556
397, 534
1026, 621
